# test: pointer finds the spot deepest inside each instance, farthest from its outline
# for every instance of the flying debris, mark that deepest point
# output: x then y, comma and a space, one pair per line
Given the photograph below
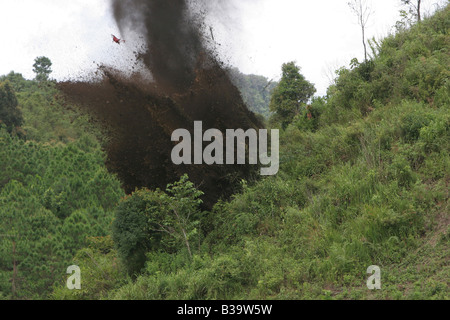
117, 40
268, 84
212, 33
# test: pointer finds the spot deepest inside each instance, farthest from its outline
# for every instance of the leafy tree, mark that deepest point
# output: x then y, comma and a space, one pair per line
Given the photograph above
131, 234
42, 68
17, 81
154, 220
10, 114
292, 92
177, 212
308, 119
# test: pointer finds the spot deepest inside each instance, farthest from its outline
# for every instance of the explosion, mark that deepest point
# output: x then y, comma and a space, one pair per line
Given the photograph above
189, 84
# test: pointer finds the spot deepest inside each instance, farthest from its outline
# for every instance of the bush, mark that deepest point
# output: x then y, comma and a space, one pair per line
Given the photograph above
154, 220
412, 123
131, 233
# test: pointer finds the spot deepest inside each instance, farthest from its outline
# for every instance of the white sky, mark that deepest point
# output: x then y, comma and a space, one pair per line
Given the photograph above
319, 35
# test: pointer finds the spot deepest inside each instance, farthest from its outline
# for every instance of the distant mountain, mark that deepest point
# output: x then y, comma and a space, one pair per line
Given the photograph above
256, 90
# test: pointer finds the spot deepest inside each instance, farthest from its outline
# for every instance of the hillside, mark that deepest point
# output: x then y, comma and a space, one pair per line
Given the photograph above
364, 176
55, 191
256, 90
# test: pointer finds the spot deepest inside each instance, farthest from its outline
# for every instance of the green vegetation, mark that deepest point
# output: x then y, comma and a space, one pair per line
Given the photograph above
291, 94
47, 118
10, 114
42, 68
363, 181
54, 192
155, 220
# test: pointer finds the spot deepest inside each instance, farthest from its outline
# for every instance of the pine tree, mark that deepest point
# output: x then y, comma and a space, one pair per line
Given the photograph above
10, 114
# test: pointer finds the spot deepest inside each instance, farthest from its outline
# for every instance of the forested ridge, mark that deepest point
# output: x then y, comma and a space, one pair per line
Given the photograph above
55, 191
256, 90
364, 174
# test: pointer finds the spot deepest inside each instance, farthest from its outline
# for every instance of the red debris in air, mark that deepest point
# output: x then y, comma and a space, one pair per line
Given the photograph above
117, 40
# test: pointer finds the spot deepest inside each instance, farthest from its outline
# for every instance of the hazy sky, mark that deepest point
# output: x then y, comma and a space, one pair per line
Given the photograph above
256, 35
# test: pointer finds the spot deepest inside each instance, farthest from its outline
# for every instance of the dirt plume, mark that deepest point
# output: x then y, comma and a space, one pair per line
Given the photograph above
173, 37
139, 117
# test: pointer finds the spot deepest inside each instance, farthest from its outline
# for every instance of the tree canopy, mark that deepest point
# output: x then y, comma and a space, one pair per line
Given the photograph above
42, 68
293, 92
10, 114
